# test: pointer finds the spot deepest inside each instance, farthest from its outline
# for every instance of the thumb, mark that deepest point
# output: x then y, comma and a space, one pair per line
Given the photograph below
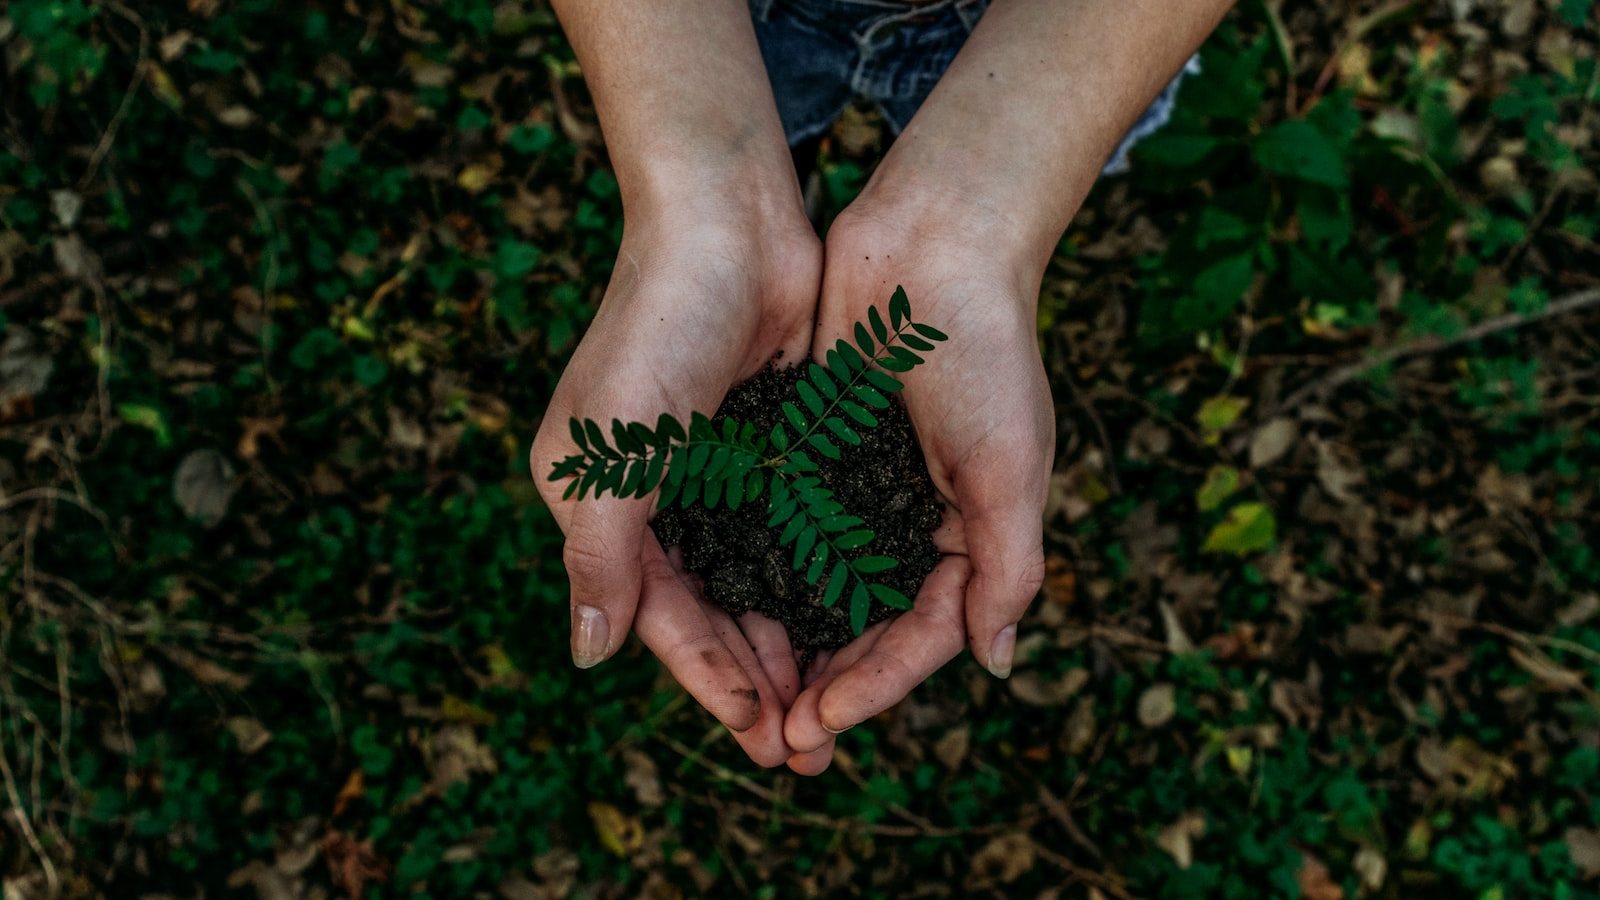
604, 538
1005, 543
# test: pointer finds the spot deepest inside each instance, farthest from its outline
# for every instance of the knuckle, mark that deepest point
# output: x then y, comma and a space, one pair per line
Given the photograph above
586, 563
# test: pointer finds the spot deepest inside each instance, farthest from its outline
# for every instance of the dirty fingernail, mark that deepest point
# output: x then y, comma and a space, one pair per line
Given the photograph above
591, 635
1001, 651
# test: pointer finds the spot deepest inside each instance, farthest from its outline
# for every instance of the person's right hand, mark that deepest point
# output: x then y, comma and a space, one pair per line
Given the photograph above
699, 300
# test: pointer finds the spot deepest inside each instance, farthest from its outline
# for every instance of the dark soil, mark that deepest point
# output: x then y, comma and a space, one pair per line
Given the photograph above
884, 481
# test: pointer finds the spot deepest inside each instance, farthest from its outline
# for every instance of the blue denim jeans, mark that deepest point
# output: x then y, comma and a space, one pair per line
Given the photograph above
822, 54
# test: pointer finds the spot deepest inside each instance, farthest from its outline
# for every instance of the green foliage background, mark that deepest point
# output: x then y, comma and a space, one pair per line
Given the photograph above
284, 288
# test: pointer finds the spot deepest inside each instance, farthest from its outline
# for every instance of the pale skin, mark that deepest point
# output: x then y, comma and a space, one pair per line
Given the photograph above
719, 270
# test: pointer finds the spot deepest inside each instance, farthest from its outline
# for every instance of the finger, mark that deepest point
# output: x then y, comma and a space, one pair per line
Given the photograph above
763, 742
913, 647
1005, 541
770, 641
951, 535
819, 664
604, 537
675, 626
802, 727
814, 763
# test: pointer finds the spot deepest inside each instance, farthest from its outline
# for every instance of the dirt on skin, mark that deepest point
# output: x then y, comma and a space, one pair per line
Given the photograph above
883, 480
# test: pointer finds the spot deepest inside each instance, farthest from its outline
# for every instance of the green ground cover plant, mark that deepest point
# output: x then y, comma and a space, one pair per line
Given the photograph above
284, 287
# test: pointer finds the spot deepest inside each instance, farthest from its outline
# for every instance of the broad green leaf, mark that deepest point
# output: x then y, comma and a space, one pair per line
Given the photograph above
1220, 484
818, 560
859, 607
1298, 149
851, 357
888, 596
802, 546
859, 414
1249, 528
780, 438
577, 434
792, 530
899, 306
821, 381
878, 328
823, 445
836, 523
842, 431
597, 441
808, 395
854, 539
836, 582
870, 395
623, 439
864, 341
782, 512
567, 467
711, 493
915, 343
669, 429
630, 483
1217, 413
930, 332
753, 485
886, 383
795, 416
873, 564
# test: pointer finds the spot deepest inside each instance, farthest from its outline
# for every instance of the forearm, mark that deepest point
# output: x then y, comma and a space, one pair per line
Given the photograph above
683, 100
1016, 132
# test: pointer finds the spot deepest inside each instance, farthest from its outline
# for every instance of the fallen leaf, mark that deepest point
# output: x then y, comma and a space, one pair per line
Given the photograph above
204, 485
1033, 688
352, 863
1372, 868
1177, 639
619, 832
249, 732
1220, 484
1249, 528
1271, 441
1314, 880
1157, 705
1179, 837
952, 748
1583, 845
642, 778
1004, 859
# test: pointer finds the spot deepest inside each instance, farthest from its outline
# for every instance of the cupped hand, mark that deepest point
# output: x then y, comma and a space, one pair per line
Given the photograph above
982, 411
695, 304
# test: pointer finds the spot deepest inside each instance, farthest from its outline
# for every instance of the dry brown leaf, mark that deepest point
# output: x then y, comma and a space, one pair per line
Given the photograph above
1004, 859
1178, 838
1583, 845
1157, 705
1314, 880
204, 485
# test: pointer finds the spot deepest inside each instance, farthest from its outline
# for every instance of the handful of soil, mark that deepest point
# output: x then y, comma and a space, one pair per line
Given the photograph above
883, 480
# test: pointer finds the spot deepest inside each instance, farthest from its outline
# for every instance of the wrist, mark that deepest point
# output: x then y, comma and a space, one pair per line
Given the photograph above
980, 218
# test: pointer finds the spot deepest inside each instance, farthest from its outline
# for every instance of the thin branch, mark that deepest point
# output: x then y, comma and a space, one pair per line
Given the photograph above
1336, 379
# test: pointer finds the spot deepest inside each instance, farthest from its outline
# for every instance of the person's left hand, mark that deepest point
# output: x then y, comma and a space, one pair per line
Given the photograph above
982, 410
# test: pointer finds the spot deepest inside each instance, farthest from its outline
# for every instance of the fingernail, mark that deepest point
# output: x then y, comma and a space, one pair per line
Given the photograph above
831, 731
1001, 651
591, 635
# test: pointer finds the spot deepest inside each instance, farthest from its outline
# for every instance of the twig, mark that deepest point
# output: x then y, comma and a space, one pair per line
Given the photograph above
813, 819
109, 135
1339, 377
